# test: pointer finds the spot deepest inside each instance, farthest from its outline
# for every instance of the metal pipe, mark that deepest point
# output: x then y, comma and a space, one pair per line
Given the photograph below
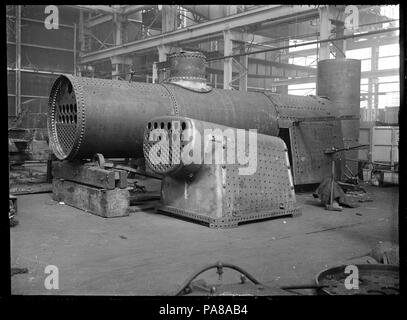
218, 265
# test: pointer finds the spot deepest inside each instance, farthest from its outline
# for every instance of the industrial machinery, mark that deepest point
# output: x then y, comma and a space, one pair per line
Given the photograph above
330, 192
90, 116
208, 177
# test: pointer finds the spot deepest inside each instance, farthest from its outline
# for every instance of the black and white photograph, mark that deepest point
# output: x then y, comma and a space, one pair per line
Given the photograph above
204, 150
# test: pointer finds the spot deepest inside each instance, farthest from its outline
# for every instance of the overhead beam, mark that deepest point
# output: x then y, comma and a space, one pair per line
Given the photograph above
127, 10
254, 16
105, 9
98, 20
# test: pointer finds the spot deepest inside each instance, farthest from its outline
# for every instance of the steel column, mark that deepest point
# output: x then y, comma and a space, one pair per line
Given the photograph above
374, 81
325, 32
243, 73
227, 63
18, 60
169, 18
162, 56
74, 50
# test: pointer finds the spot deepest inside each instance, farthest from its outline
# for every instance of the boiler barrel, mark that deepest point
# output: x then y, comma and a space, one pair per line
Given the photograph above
88, 116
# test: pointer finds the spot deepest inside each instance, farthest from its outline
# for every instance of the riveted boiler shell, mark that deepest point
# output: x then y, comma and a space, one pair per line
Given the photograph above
236, 109
88, 116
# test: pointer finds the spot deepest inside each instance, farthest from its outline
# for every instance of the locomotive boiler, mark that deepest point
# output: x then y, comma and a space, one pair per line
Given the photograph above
88, 116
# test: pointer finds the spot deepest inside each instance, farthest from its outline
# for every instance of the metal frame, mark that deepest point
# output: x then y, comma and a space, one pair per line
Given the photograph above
17, 69
40, 46
275, 13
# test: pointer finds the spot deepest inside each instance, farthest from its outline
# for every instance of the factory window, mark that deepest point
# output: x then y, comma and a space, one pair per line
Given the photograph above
389, 100
388, 87
389, 63
364, 55
391, 12
364, 85
389, 50
389, 79
389, 91
366, 65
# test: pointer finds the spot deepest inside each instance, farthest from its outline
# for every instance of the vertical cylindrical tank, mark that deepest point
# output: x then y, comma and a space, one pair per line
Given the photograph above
339, 80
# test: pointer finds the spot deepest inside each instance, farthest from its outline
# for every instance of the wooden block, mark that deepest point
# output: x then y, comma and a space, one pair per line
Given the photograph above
89, 175
122, 179
20, 189
101, 202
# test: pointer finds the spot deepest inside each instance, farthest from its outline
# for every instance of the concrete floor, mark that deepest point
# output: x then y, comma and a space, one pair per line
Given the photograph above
151, 254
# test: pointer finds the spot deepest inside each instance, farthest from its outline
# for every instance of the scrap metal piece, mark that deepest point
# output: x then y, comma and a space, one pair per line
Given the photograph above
216, 194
